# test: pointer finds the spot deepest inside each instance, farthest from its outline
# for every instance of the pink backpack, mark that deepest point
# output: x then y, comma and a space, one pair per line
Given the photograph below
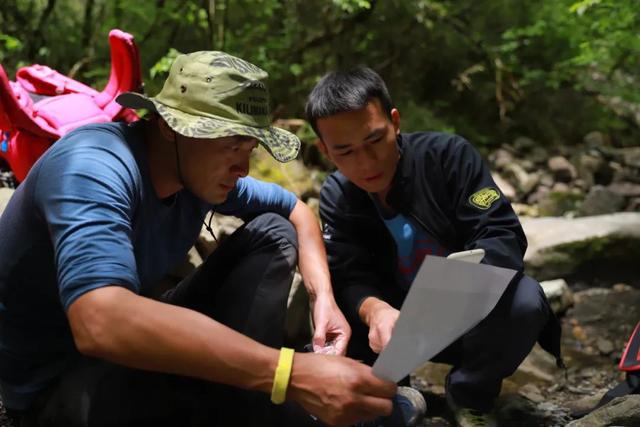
43, 105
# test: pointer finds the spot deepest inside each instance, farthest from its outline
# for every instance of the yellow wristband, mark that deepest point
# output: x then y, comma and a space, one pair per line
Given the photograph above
282, 376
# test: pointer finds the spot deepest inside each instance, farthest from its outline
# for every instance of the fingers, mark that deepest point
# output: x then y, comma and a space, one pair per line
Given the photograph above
318, 340
341, 345
373, 407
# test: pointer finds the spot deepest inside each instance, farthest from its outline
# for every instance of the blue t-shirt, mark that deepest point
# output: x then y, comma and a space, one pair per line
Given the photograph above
88, 216
412, 244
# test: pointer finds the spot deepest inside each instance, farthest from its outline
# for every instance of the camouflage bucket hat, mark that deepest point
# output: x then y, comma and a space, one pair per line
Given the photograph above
212, 94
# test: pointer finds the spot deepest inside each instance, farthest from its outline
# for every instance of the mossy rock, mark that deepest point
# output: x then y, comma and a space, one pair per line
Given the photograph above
614, 256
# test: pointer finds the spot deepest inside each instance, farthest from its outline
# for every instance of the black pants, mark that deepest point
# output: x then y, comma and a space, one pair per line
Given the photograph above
244, 284
489, 352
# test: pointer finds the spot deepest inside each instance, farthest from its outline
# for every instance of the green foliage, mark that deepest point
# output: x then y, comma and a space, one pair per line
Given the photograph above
489, 70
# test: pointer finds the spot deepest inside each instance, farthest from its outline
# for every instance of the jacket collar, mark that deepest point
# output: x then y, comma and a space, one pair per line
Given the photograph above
402, 184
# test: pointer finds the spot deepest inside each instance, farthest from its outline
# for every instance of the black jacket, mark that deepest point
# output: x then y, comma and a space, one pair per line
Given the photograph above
440, 183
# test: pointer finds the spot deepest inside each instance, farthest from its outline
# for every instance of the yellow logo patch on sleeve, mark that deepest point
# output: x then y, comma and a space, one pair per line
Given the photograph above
484, 198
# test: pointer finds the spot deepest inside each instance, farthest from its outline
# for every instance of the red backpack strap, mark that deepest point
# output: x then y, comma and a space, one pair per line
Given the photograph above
43, 80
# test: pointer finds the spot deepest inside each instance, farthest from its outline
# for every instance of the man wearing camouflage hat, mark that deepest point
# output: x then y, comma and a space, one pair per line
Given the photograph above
108, 211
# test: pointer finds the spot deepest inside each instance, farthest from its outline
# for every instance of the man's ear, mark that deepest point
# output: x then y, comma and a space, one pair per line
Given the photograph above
395, 119
322, 147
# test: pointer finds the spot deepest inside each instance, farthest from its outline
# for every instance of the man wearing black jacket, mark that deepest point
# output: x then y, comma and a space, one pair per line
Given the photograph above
396, 198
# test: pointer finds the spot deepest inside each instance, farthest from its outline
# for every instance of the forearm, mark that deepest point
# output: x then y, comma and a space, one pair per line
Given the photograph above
117, 325
368, 308
312, 257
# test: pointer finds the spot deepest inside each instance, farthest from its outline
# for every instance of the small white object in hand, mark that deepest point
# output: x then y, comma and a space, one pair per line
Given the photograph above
329, 348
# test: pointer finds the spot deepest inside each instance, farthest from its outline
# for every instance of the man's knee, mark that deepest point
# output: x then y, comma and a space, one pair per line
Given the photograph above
529, 306
275, 226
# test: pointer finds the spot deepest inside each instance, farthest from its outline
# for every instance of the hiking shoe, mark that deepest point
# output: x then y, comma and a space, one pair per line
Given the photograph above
409, 408
467, 417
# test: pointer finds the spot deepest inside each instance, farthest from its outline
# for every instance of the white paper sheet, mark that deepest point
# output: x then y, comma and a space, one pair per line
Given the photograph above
447, 299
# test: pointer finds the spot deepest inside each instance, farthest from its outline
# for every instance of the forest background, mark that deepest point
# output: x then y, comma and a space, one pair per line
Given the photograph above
490, 70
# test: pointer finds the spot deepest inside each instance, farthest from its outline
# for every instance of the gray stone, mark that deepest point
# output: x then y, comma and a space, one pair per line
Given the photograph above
634, 205
547, 180
538, 155
5, 195
540, 194
524, 181
562, 169
560, 187
523, 144
604, 346
538, 367
593, 169
559, 246
558, 293
522, 209
622, 411
625, 189
223, 226
631, 156
557, 203
595, 139
504, 186
585, 402
600, 201
501, 158
531, 392
298, 324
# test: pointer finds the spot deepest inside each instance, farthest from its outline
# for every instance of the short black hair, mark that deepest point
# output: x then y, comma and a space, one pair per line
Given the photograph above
340, 91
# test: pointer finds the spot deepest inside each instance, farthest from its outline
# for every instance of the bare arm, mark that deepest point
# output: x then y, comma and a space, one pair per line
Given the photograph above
117, 325
381, 318
329, 321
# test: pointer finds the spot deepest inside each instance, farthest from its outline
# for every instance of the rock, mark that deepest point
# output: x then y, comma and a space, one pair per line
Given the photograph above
621, 287
500, 159
560, 187
294, 175
593, 169
595, 139
298, 324
631, 156
540, 194
558, 293
634, 205
557, 203
524, 181
547, 180
531, 392
586, 402
223, 226
515, 410
522, 209
562, 169
559, 247
623, 173
523, 144
600, 201
538, 367
504, 186
436, 422
625, 189
604, 346
621, 411
5, 195
538, 155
